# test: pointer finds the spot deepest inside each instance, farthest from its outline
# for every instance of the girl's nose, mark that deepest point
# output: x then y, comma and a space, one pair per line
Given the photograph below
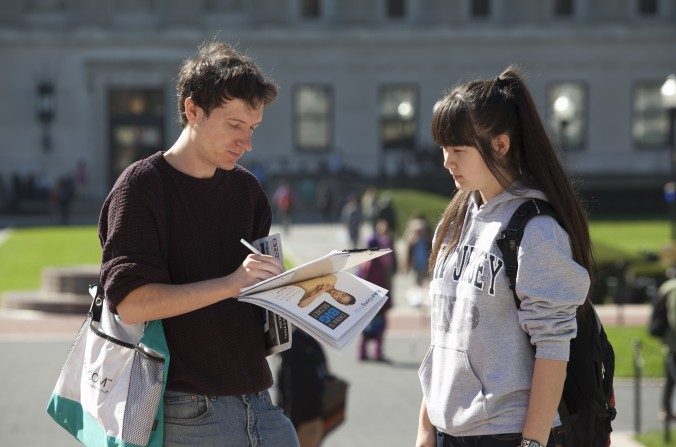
448, 159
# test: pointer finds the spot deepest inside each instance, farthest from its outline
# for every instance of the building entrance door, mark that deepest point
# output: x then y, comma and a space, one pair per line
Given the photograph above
136, 118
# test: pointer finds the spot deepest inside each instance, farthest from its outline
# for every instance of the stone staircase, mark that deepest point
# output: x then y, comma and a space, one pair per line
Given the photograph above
64, 290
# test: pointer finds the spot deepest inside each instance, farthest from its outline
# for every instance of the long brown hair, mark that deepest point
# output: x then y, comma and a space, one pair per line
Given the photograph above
473, 114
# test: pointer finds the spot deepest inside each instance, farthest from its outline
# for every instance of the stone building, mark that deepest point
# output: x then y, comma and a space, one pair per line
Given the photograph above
88, 86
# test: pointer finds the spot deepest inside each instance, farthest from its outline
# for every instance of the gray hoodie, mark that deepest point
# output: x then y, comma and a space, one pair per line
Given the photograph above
477, 373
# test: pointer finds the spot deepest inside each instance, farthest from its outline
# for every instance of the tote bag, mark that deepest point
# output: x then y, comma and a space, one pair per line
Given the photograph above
110, 389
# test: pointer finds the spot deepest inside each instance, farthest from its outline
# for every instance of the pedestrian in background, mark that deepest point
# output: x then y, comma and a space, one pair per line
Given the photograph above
63, 196
283, 200
369, 206
324, 200
351, 217
418, 246
379, 271
667, 292
482, 383
386, 210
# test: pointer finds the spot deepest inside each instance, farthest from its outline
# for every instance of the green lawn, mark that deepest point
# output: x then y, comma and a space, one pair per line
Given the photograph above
611, 238
28, 250
628, 238
655, 438
408, 201
621, 338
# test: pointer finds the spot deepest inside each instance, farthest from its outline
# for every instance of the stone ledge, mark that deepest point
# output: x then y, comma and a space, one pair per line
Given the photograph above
63, 303
70, 280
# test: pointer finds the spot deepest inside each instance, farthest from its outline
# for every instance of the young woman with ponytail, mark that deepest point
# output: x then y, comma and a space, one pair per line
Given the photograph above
482, 384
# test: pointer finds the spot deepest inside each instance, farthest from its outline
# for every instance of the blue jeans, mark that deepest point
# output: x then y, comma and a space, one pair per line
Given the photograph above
225, 421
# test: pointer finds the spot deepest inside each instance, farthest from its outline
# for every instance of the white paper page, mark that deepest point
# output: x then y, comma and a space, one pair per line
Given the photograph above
334, 262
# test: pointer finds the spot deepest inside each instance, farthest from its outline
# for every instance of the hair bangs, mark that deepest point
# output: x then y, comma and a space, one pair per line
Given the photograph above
452, 124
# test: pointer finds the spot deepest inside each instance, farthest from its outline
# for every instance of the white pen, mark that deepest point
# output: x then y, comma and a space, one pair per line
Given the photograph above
250, 247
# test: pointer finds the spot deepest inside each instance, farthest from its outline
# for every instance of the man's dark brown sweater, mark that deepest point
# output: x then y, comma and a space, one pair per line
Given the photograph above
217, 350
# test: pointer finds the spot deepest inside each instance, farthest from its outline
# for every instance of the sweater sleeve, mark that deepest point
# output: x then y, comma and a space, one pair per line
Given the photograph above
131, 242
262, 211
551, 286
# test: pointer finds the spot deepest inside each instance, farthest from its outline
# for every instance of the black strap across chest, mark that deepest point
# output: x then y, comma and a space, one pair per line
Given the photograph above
510, 238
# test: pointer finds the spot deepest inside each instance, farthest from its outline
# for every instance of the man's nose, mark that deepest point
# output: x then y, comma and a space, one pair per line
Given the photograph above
247, 142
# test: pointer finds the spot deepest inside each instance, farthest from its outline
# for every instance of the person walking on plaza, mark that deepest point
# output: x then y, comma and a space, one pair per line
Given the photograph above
482, 383
170, 231
667, 291
283, 200
351, 217
387, 211
379, 271
369, 206
418, 246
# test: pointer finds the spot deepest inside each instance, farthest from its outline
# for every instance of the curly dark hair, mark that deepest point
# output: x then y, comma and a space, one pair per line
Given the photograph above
218, 73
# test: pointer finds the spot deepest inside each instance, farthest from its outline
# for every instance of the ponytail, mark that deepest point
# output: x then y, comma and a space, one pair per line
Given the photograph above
548, 175
472, 114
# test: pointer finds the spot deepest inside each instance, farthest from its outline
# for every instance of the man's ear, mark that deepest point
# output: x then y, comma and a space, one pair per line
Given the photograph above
193, 113
501, 144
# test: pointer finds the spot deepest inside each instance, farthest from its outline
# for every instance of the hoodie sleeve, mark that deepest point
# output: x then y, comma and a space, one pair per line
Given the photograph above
551, 286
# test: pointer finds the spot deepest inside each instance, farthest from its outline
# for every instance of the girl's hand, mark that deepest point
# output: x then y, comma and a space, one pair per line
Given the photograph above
426, 438
427, 433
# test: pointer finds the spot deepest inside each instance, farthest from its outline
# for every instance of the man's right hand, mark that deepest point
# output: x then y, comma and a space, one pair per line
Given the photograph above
256, 268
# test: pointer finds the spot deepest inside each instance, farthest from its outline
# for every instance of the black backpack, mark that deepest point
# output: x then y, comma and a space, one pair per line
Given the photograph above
658, 318
587, 405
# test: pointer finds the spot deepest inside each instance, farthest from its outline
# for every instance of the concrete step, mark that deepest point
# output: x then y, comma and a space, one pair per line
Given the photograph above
61, 303
73, 280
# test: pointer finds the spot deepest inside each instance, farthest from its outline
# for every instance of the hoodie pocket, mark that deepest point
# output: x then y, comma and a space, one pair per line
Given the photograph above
453, 393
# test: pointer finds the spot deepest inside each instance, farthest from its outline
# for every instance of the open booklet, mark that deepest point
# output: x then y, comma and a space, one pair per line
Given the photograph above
319, 297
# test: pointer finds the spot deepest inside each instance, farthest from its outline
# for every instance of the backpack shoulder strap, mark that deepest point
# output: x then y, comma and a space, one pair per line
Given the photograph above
510, 238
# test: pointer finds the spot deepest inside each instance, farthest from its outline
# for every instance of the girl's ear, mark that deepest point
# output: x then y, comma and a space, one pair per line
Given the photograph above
500, 144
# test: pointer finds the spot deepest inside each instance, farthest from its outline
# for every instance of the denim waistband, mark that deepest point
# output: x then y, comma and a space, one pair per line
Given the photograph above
259, 394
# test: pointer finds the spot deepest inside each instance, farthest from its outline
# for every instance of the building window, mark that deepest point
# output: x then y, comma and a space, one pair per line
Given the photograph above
396, 9
45, 6
398, 116
134, 6
313, 117
650, 126
563, 8
224, 6
310, 9
567, 107
647, 7
481, 8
